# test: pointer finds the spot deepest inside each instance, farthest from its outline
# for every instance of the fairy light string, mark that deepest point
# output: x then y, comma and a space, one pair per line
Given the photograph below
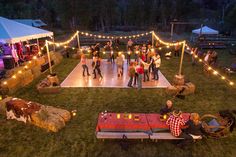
167, 44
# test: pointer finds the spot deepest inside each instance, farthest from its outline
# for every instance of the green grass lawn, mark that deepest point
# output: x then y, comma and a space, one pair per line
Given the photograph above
78, 137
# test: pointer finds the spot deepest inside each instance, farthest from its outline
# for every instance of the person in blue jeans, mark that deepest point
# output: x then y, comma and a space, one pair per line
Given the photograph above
157, 62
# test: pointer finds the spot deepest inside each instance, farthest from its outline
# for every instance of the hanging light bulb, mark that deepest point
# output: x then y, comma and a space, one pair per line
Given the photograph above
215, 72
231, 83
222, 77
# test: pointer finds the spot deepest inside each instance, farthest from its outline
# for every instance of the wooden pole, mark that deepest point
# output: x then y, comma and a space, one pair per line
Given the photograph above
54, 46
172, 31
78, 41
49, 58
182, 57
38, 45
152, 38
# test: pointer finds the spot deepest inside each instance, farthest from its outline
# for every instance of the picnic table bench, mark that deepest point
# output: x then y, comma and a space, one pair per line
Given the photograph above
120, 135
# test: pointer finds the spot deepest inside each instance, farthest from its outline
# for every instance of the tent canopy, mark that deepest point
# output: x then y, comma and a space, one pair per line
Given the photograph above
205, 30
31, 22
13, 32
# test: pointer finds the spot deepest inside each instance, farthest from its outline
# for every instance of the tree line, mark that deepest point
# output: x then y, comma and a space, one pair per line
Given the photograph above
110, 14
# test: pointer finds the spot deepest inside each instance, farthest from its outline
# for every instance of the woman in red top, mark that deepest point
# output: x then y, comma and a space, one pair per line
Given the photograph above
140, 71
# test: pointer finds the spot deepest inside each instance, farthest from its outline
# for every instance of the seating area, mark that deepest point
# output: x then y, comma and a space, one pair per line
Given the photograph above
134, 126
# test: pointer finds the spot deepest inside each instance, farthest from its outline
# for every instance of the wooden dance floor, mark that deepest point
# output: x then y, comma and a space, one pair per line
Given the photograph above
110, 78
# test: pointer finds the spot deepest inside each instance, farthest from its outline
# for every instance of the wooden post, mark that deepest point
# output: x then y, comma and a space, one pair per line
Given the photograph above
78, 41
38, 45
181, 60
54, 46
49, 58
152, 38
172, 31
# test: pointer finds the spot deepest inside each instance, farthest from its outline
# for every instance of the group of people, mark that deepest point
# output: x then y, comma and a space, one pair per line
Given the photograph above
142, 69
96, 63
146, 62
209, 57
181, 128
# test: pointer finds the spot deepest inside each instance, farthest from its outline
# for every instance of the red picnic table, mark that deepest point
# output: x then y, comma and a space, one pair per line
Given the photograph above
131, 122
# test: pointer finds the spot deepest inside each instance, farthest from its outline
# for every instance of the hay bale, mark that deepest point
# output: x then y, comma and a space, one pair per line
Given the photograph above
178, 80
12, 84
14, 71
40, 61
171, 90
26, 77
60, 112
48, 121
189, 88
58, 55
3, 104
36, 71
31, 64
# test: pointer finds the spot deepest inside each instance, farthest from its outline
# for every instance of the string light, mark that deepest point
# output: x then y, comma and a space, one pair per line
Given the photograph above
209, 68
215, 72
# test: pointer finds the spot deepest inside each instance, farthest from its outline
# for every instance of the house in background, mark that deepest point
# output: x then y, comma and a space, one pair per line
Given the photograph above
35, 23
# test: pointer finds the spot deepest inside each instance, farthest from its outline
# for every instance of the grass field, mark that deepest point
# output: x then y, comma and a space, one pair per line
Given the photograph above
78, 139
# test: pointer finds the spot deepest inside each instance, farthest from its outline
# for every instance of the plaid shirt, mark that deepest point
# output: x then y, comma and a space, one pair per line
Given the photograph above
175, 123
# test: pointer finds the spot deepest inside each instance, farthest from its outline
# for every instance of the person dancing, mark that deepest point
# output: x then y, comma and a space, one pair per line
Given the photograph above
97, 64
84, 64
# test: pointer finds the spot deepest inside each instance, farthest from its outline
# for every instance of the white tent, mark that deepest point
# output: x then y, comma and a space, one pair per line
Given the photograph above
13, 32
31, 22
206, 31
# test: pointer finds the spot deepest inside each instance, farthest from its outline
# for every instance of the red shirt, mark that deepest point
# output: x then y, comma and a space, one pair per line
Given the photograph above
140, 70
175, 124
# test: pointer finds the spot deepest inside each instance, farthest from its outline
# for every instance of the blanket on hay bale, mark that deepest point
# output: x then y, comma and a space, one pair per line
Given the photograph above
47, 117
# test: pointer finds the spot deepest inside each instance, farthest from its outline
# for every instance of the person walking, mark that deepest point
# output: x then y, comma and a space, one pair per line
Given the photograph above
120, 64
131, 73
129, 55
84, 65
140, 72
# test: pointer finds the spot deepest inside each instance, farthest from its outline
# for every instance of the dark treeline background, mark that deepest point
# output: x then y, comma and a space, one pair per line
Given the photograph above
110, 14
